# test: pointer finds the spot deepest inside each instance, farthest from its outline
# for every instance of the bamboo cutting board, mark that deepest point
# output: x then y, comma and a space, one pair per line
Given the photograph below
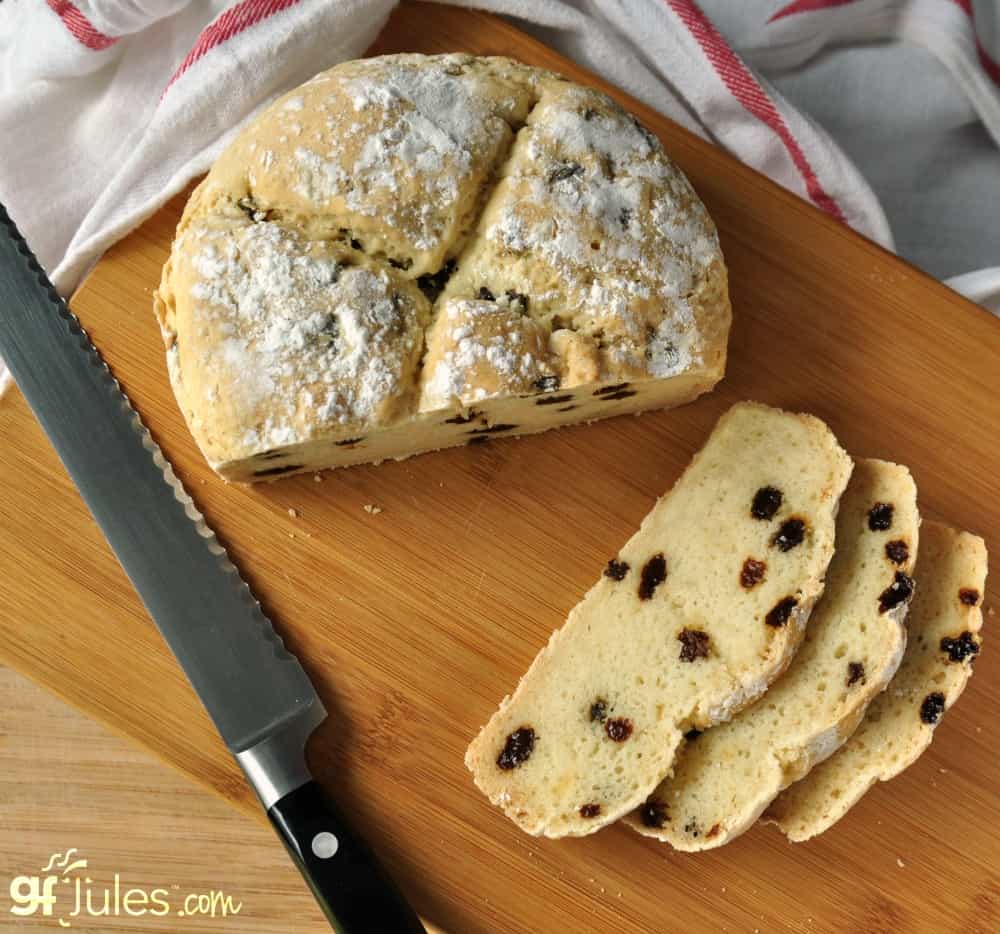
415, 621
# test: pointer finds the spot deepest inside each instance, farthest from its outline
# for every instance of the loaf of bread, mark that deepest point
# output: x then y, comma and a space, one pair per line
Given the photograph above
725, 778
703, 607
943, 622
412, 252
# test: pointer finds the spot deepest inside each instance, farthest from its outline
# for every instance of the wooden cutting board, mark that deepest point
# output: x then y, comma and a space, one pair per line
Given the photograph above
415, 621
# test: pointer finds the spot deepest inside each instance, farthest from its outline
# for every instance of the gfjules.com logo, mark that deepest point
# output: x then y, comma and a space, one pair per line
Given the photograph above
64, 892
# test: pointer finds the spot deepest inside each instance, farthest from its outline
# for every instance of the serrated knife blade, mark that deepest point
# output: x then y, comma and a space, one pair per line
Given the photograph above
257, 693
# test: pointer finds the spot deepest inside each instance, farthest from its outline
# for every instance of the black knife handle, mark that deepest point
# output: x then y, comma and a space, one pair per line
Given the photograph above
355, 892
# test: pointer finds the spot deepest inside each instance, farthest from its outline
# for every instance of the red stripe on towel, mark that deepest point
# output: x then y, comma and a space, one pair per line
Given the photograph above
745, 88
81, 28
807, 6
233, 21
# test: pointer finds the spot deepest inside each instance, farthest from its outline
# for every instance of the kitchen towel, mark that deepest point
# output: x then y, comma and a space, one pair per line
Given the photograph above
110, 107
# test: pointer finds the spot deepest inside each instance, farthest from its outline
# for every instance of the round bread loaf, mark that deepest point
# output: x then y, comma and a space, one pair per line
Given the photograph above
413, 252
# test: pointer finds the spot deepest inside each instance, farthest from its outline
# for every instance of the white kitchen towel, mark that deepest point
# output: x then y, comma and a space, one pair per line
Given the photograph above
109, 107
911, 91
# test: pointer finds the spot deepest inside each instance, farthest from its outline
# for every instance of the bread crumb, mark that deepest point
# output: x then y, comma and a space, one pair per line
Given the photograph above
291, 535
991, 611
293, 514
619, 894
900, 863
943, 771
372, 509
318, 477
602, 889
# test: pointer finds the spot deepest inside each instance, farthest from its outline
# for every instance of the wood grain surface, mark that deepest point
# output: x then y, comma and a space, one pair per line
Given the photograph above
68, 781
415, 621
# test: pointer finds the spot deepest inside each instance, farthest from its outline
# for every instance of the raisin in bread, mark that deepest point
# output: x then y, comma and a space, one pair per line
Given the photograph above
943, 623
723, 779
412, 252
670, 639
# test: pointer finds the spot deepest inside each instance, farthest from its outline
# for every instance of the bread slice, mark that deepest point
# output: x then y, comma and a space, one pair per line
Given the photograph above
725, 778
943, 623
674, 636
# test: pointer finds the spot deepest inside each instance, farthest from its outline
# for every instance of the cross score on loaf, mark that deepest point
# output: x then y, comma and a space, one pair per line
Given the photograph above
412, 252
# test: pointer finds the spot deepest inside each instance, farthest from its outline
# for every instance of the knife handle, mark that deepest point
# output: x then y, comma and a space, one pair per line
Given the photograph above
356, 894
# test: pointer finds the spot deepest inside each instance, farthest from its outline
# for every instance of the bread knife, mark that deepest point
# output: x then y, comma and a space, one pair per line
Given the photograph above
257, 693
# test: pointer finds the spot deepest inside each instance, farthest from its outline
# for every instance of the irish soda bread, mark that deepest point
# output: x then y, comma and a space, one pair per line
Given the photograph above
413, 252
943, 623
724, 779
678, 634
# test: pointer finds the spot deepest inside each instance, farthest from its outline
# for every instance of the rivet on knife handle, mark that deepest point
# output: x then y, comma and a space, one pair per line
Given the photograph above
351, 887
257, 693
338, 865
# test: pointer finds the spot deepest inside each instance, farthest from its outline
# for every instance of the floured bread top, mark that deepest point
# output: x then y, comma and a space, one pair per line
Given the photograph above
409, 234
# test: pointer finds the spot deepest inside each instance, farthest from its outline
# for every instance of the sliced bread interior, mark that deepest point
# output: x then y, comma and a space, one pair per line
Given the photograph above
943, 622
724, 778
679, 633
